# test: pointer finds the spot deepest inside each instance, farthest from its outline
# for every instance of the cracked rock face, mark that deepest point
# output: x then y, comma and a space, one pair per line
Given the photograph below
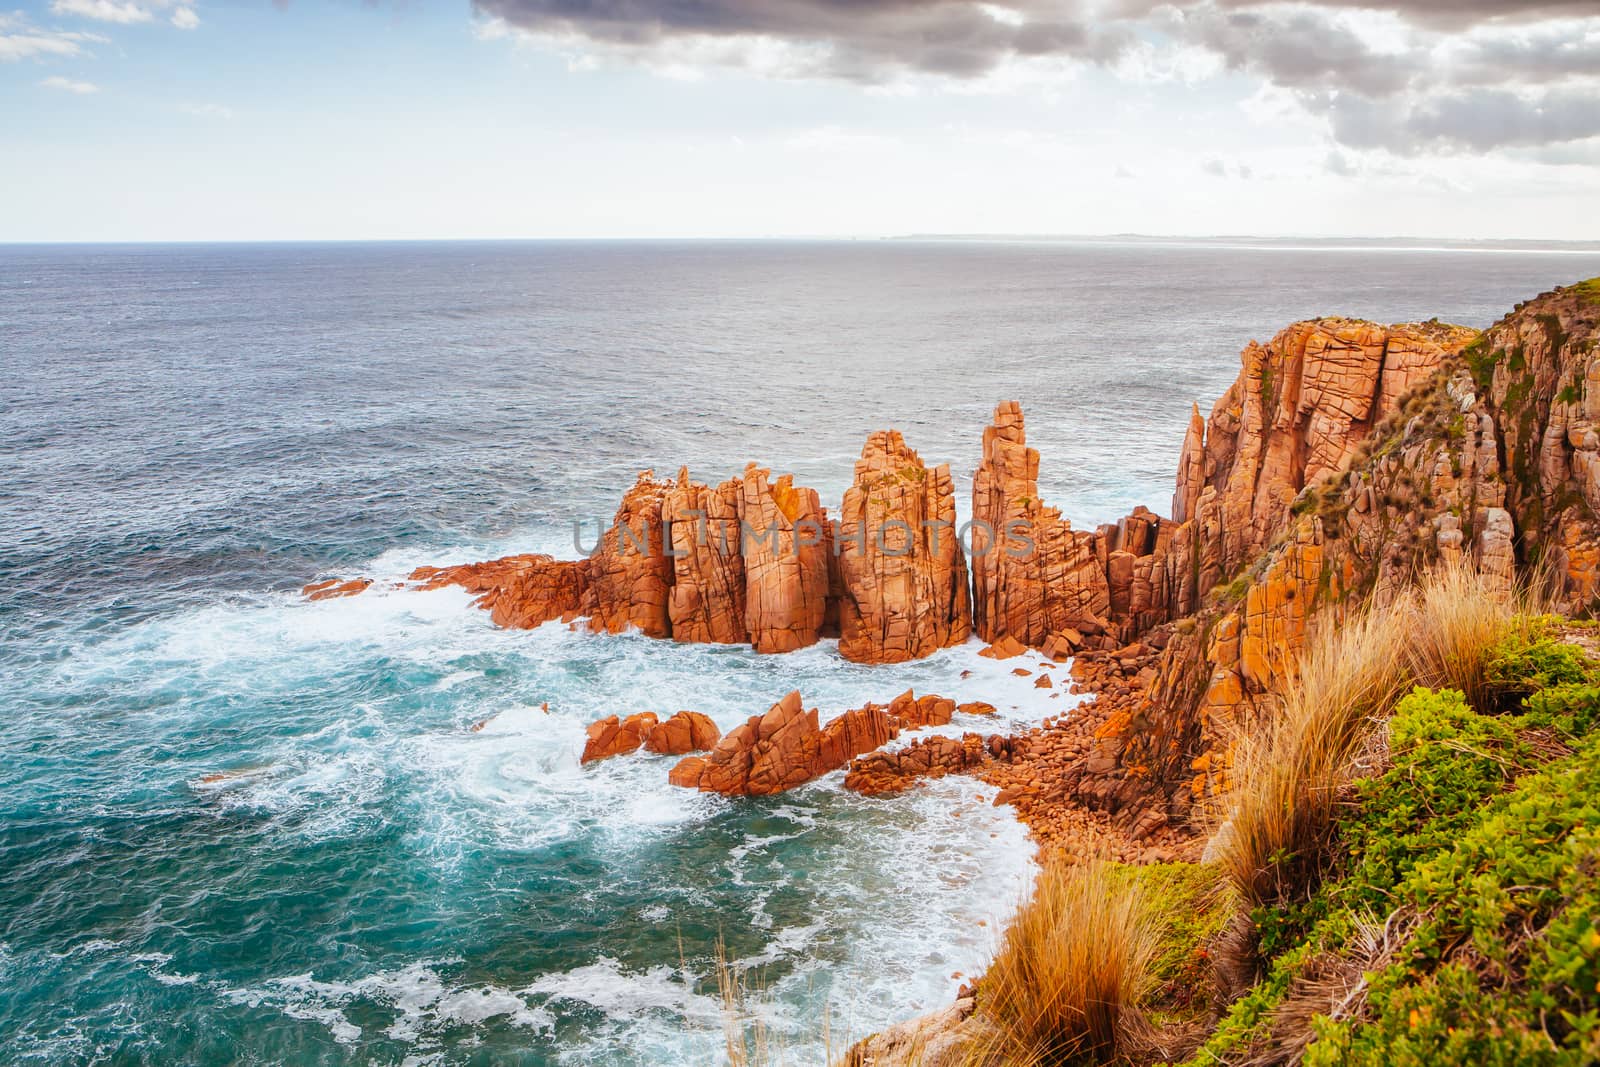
788, 747
707, 601
901, 564
788, 559
1543, 382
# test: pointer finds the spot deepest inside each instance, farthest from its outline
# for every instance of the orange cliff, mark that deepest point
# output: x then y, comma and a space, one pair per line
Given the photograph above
1301, 407
1281, 498
1344, 459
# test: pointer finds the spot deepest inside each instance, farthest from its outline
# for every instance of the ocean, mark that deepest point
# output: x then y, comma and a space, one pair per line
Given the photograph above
240, 828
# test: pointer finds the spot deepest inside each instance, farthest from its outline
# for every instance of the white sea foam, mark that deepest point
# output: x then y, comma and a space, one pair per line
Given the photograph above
909, 890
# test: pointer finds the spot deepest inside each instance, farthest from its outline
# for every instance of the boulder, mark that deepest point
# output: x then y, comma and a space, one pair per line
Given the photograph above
910, 712
878, 773
614, 736
687, 731
1006, 647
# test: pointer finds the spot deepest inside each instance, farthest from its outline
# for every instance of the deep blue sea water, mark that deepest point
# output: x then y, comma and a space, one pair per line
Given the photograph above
189, 433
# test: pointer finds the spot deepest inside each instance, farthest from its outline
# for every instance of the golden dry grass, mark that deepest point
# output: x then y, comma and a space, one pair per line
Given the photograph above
1287, 776
1458, 616
1072, 967
748, 1041
1278, 820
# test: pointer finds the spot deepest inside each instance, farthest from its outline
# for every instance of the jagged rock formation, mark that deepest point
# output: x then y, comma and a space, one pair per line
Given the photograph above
685, 732
1032, 573
1299, 410
519, 592
754, 559
787, 747
749, 560
630, 573
708, 578
900, 559
1036, 580
787, 557
614, 736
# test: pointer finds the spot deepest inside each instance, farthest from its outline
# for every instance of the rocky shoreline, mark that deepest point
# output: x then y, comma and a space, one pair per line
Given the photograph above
1346, 458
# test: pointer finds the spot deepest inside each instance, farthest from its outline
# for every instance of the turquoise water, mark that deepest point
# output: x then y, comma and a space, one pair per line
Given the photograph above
374, 880
237, 827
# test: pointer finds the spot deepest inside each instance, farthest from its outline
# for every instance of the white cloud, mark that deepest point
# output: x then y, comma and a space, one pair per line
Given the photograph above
185, 19
21, 40
67, 85
125, 12
207, 111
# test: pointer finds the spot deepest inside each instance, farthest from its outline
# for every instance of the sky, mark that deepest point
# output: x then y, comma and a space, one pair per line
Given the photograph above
183, 120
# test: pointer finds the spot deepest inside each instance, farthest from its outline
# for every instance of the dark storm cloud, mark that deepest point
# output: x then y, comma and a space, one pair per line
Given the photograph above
1512, 83
1478, 120
862, 40
1458, 14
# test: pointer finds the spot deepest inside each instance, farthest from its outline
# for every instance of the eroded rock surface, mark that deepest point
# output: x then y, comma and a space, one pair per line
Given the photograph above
788, 746
685, 732
900, 558
519, 592
615, 736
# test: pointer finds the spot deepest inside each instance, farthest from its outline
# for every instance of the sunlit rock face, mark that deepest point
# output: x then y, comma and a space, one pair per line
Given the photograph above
901, 565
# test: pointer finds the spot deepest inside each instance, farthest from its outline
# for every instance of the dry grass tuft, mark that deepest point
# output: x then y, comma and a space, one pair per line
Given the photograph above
1066, 983
1274, 838
748, 1040
1281, 814
1331, 986
1458, 616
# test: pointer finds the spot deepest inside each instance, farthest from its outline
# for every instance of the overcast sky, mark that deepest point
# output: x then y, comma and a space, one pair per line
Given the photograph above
236, 119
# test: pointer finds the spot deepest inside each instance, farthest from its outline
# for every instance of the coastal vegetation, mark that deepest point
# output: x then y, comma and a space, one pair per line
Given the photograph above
1373, 709
1403, 875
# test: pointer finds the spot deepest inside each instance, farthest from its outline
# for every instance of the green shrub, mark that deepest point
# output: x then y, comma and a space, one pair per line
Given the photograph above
1505, 966
1448, 760
1530, 659
1477, 855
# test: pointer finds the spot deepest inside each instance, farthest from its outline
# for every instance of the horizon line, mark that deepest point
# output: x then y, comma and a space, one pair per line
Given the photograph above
1318, 242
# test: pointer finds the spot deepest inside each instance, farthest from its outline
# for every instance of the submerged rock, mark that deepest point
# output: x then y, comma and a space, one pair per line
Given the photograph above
335, 587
